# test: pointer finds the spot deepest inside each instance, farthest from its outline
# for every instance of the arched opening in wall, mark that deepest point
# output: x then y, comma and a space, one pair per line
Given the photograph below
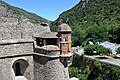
20, 68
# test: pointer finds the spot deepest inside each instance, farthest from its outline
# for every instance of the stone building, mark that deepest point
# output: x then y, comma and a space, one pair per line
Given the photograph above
45, 56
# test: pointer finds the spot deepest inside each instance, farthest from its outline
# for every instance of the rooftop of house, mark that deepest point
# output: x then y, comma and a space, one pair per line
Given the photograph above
112, 46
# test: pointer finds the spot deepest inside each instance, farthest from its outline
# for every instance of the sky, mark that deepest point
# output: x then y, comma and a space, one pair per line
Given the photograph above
49, 9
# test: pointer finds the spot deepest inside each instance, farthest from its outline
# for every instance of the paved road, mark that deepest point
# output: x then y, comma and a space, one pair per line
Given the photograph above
110, 60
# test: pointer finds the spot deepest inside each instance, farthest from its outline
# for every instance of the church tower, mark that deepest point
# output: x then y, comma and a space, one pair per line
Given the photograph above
64, 33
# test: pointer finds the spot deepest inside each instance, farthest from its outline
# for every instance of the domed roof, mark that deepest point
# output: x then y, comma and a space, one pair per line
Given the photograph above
64, 28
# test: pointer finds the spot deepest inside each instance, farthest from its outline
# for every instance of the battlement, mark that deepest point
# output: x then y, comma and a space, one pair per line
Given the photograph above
15, 41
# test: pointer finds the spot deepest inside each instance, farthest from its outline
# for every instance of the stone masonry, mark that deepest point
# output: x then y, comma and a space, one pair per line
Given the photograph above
40, 67
46, 68
18, 59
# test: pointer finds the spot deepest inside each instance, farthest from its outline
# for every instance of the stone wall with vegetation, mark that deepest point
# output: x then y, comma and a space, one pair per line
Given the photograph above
89, 69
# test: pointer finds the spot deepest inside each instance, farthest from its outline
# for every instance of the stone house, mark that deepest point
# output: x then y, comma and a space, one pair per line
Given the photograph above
43, 57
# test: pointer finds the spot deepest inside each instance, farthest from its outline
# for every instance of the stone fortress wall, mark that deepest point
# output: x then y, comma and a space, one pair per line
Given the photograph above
17, 50
13, 51
47, 68
34, 65
15, 47
13, 28
7, 70
40, 68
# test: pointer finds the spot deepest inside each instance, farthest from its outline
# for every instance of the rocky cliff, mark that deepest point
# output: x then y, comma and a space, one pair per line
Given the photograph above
16, 23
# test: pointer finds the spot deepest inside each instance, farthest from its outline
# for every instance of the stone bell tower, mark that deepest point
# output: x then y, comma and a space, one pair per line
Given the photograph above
64, 33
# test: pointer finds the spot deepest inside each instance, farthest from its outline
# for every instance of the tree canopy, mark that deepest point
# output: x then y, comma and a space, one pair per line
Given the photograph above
98, 20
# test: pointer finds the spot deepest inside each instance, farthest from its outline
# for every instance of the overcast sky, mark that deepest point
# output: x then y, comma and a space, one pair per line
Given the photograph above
49, 9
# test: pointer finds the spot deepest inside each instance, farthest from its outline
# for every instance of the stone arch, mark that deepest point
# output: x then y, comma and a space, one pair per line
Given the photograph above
20, 68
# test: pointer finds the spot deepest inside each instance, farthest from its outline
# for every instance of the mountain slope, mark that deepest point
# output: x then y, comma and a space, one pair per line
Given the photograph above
17, 23
96, 20
11, 11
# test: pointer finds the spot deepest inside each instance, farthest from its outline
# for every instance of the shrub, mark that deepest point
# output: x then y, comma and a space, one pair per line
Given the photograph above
98, 64
89, 49
115, 73
118, 50
73, 72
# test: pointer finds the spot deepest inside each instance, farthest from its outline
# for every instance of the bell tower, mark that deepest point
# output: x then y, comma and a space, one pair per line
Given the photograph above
64, 33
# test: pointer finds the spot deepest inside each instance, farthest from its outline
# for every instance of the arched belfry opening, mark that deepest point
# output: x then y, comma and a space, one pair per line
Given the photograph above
20, 67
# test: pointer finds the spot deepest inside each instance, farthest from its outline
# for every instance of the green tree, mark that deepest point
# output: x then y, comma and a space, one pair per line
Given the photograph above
118, 50
74, 72
99, 49
114, 35
98, 19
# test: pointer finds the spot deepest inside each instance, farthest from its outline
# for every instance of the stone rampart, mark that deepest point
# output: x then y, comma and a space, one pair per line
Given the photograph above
14, 28
46, 68
15, 47
40, 66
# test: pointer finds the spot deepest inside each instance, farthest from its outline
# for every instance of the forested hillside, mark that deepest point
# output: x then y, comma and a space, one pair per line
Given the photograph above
95, 20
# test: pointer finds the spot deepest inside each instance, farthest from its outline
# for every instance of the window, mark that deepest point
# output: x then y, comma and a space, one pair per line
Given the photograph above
65, 39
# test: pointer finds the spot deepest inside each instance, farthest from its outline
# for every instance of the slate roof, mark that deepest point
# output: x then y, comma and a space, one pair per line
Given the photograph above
111, 46
46, 35
64, 28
